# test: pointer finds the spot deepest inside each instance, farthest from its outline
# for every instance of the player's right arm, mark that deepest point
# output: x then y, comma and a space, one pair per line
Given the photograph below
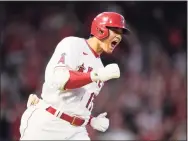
63, 64
66, 59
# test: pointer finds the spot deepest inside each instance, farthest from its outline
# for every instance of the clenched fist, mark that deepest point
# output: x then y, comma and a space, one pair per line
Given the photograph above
111, 71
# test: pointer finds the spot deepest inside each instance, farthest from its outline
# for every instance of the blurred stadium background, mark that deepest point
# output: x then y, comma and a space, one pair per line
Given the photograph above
148, 102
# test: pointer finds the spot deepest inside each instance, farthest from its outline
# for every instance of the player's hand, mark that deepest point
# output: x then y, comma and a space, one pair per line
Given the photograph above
32, 100
100, 123
111, 71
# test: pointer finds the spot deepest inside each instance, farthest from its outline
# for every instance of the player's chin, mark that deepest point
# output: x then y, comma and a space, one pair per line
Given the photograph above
109, 51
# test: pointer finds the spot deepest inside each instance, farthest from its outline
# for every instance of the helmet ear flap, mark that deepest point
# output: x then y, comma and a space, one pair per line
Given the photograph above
103, 32
100, 31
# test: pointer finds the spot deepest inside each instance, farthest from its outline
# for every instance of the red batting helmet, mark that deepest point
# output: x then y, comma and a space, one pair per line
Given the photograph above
101, 22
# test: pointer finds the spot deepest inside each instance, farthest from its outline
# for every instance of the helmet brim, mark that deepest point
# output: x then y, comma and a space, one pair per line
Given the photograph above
126, 31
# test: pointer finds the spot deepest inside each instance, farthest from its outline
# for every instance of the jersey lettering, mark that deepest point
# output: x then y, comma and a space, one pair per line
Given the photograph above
90, 69
89, 104
81, 68
100, 84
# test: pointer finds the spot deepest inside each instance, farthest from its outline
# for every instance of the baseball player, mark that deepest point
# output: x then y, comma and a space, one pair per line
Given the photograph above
74, 77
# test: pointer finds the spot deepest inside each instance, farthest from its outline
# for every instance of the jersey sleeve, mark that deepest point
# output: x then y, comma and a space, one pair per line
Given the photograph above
66, 54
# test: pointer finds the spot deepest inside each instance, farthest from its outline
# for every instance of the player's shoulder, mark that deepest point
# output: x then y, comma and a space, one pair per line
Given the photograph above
72, 40
70, 43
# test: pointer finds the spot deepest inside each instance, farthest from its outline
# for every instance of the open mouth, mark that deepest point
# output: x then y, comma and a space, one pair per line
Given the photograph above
114, 44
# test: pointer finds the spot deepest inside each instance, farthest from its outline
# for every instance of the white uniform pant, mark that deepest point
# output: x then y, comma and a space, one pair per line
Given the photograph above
38, 124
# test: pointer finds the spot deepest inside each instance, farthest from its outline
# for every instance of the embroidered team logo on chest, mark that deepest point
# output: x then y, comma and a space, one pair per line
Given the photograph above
82, 68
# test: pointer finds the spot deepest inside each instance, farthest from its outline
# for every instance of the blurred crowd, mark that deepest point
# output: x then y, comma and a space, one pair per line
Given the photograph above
148, 102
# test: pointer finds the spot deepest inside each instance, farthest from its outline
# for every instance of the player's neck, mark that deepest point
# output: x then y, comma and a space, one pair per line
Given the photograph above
95, 45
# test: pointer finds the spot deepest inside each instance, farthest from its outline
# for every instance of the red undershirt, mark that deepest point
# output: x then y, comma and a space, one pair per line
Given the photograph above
77, 80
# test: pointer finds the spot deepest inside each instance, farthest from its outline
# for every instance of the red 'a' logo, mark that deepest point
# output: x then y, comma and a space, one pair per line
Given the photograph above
62, 59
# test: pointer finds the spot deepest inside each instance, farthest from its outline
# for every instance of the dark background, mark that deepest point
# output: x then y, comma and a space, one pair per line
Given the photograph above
148, 102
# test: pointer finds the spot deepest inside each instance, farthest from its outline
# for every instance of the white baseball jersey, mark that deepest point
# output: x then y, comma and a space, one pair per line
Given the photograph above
76, 54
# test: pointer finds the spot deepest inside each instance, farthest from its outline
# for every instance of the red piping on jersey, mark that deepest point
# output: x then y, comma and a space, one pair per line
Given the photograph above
77, 80
96, 55
89, 122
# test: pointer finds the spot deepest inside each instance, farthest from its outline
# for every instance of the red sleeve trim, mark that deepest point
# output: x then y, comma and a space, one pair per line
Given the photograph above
77, 80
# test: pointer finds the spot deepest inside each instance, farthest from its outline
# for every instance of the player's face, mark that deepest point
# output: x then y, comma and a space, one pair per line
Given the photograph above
114, 38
